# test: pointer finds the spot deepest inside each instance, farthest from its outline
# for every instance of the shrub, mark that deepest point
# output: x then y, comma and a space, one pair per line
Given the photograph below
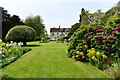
21, 33
44, 40
10, 52
104, 38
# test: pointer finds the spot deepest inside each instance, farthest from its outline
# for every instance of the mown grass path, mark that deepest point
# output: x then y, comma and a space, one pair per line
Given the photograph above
49, 60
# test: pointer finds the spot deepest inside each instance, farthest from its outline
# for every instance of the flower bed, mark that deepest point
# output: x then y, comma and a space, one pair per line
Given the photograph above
97, 43
10, 52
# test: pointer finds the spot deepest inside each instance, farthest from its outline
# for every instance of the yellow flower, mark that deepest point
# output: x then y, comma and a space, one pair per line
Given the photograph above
77, 52
98, 54
88, 50
77, 56
104, 56
85, 46
93, 48
83, 57
94, 58
73, 57
89, 54
93, 51
81, 53
102, 53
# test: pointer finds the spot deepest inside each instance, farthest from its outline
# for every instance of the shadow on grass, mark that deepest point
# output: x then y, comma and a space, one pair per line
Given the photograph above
32, 46
6, 77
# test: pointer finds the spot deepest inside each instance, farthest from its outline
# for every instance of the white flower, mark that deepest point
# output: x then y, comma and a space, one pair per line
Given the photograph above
7, 45
0, 52
11, 41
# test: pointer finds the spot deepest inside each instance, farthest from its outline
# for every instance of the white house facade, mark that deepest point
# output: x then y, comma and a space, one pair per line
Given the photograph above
58, 32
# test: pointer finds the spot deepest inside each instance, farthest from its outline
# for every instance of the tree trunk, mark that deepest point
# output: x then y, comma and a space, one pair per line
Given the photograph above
24, 43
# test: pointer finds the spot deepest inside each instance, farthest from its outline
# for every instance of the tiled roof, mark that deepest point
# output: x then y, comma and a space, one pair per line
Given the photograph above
59, 29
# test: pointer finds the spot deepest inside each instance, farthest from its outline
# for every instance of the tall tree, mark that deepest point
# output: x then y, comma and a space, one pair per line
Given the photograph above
36, 23
112, 13
8, 22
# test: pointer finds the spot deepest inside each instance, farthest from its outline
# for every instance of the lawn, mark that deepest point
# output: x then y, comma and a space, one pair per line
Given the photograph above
49, 60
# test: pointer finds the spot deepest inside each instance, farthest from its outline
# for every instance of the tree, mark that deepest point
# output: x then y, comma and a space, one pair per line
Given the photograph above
96, 16
36, 23
9, 21
21, 33
112, 13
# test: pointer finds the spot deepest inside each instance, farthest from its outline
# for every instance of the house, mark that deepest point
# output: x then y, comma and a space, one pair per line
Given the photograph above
58, 32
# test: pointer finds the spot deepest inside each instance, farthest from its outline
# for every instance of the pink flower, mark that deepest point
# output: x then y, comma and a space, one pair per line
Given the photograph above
106, 48
98, 30
114, 32
104, 34
108, 41
97, 36
117, 28
118, 24
113, 36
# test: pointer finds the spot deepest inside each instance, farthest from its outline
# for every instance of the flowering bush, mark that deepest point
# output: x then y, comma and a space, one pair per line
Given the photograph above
104, 38
10, 52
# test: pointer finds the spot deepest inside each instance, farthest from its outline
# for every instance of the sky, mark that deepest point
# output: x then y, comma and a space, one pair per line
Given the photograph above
55, 13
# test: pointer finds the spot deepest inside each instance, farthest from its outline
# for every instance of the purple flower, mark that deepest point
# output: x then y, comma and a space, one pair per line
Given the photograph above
118, 24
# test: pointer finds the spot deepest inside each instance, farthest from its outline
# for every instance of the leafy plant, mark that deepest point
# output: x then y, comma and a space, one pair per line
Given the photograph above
115, 70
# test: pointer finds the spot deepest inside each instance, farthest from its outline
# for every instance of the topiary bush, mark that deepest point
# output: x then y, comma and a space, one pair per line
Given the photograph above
21, 33
103, 38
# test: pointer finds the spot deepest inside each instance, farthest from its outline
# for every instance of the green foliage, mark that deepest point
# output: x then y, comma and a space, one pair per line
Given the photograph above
44, 40
10, 52
36, 23
96, 16
60, 40
103, 37
115, 70
21, 33
73, 29
8, 22
112, 13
